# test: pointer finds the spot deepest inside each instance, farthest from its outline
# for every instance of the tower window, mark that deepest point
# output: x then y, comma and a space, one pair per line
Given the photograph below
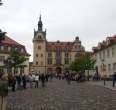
39, 37
41, 55
39, 47
36, 55
36, 62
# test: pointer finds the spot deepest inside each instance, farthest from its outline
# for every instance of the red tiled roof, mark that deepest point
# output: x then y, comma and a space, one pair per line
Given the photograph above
10, 41
53, 45
109, 41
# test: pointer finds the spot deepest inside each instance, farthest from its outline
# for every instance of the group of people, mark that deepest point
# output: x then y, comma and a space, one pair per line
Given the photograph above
24, 81
17, 81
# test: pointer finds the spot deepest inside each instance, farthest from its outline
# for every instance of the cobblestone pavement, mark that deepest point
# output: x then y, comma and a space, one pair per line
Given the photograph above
101, 83
58, 95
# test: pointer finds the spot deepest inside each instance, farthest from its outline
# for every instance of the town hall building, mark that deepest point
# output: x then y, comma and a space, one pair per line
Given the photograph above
54, 57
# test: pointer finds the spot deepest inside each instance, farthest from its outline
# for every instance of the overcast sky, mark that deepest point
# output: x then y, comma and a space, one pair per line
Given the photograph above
91, 20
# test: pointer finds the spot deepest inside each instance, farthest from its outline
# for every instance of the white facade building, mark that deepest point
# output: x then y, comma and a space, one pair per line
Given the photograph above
105, 56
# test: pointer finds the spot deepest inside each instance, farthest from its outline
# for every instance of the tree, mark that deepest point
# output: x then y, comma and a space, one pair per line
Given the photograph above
15, 60
83, 63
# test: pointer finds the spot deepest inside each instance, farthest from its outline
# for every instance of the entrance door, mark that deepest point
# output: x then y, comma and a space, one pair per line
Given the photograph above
58, 70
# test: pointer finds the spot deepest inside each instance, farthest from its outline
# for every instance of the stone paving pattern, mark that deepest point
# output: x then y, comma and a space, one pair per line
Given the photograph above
101, 83
58, 95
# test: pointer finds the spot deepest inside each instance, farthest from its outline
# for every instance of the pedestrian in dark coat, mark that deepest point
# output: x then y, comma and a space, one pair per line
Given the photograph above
13, 83
114, 79
19, 81
43, 80
24, 81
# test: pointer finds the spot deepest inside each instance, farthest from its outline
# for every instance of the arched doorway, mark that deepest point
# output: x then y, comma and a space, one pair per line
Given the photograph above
58, 70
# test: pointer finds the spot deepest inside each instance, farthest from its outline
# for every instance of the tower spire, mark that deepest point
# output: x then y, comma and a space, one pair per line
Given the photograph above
40, 25
40, 17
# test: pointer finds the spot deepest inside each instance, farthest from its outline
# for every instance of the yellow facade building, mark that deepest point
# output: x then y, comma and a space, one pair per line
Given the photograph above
52, 56
6, 46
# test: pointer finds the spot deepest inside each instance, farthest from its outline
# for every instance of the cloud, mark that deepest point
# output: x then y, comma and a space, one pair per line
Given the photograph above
91, 20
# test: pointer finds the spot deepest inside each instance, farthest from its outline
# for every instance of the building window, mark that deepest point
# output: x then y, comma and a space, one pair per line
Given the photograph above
36, 55
66, 61
114, 67
1, 47
1, 70
49, 61
2, 58
39, 47
66, 49
36, 63
6, 48
108, 53
113, 51
58, 61
41, 55
39, 37
49, 54
109, 67
66, 54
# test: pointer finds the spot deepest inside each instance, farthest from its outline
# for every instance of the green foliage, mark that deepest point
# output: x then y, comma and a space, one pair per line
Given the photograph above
15, 59
82, 63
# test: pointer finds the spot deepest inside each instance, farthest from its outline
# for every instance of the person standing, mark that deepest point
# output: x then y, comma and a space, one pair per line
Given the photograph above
31, 80
36, 80
43, 80
114, 79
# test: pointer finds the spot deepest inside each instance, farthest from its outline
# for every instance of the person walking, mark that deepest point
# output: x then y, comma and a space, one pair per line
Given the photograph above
114, 79
36, 80
18, 78
13, 83
24, 81
31, 80
43, 80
